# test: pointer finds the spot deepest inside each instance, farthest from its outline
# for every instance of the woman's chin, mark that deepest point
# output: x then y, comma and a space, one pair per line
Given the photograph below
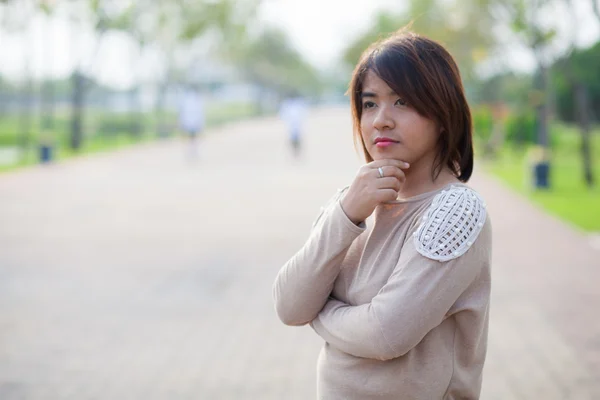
376, 156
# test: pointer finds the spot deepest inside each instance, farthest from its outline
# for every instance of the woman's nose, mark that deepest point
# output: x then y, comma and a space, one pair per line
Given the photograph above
383, 119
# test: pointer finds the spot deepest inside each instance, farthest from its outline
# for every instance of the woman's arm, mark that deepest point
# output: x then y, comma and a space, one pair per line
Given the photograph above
416, 298
304, 283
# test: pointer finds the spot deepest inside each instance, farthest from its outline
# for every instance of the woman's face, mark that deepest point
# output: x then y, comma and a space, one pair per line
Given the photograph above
392, 129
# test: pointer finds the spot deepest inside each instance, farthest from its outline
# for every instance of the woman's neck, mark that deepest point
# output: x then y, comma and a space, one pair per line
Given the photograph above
420, 180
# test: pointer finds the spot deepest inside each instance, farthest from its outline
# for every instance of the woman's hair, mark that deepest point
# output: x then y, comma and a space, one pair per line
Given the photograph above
425, 75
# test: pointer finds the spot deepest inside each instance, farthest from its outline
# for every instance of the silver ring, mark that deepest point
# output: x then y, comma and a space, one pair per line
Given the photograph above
381, 175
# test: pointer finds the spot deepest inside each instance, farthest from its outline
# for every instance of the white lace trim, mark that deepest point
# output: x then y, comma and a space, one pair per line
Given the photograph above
451, 224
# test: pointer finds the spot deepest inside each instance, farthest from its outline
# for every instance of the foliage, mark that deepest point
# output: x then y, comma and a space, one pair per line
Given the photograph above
385, 23
586, 68
113, 125
568, 198
509, 88
108, 132
525, 20
271, 61
461, 26
483, 123
520, 128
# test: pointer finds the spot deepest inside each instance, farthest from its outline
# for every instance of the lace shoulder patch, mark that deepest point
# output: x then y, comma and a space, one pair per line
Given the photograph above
331, 201
451, 224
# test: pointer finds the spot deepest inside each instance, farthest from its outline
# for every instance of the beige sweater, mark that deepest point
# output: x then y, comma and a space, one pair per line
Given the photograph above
401, 301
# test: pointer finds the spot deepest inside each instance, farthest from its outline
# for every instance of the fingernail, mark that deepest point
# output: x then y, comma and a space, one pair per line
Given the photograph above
407, 164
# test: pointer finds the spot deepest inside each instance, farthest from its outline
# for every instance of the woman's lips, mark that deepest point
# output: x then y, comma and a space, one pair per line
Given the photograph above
384, 142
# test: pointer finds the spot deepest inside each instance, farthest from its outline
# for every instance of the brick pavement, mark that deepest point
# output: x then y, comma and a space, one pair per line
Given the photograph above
141, 275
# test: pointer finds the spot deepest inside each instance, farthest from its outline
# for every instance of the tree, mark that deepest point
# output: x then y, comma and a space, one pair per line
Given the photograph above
578, 93
47, 125
105, 15
271, 62
526, 22
585, 64
262, 55
461, 26
166, 24
15, 17
384, 24
580, 97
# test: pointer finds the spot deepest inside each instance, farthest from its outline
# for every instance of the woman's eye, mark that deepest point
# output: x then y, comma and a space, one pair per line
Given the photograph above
368, 104
400, 102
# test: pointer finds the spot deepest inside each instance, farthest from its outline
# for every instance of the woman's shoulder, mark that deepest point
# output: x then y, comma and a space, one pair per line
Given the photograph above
451, 223
459, 197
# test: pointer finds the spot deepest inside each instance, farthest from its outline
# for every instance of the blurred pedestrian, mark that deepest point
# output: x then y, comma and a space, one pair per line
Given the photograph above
395, 274
293, 112
191, 118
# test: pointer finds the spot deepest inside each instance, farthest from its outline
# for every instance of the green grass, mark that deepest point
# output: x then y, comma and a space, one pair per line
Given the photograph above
568, 198
99, 140
90, 146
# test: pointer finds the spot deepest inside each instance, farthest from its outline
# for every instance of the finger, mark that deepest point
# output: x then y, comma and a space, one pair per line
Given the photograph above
390, 171
385, 195
388, 162
388, 183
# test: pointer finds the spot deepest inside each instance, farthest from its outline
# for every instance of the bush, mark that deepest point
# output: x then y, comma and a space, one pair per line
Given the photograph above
483, 123
565, 139
116, 124
520, 129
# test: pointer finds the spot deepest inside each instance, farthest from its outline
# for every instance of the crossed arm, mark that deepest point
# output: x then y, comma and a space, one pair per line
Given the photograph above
303, 285
416, 299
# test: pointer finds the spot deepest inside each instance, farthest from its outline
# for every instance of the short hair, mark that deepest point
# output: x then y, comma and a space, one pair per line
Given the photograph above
424, 74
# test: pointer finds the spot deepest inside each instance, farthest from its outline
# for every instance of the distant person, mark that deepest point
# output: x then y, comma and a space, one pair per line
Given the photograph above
395, 275
191, 118
293, 112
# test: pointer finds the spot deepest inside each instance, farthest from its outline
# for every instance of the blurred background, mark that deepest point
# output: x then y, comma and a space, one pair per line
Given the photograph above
141, 273
84, 76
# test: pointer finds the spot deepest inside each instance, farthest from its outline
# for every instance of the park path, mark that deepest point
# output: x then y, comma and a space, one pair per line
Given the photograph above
143, 275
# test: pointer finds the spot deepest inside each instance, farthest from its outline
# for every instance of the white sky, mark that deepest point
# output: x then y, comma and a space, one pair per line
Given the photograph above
323, 28
320, 28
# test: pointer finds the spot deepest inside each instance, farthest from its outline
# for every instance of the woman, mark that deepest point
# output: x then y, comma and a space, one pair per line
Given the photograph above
395, 275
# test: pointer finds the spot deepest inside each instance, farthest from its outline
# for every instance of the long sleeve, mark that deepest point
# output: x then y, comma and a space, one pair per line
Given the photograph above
304, 283
417, 298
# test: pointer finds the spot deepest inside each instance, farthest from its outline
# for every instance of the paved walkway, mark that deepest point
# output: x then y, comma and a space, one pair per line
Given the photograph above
140, 275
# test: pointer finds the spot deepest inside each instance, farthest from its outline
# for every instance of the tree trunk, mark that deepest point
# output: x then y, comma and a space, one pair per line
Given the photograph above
48, 108
260, 99
26, 117
582, 117
583, 120
77, 100
159, 110
135, 113
163, 128
543, 109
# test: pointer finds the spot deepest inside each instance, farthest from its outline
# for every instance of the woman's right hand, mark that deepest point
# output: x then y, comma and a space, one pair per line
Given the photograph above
369, 189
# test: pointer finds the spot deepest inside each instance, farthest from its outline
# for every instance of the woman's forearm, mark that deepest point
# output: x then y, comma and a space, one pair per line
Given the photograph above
304, 283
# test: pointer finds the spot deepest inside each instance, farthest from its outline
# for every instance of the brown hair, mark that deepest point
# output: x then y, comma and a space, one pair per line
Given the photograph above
424, 74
